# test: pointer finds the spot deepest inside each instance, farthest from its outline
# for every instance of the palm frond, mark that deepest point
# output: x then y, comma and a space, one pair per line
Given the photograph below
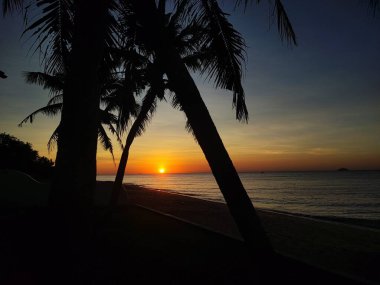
122, 101
53, 138
50, 110
113, 131
112, 39
194, 60
148, 107
284, 26
56, 99
245, 3
225, 54
52, 82
187, 39
375, 6
52, 32
109, 119
10, 6
190, 130
105, 140
183, 9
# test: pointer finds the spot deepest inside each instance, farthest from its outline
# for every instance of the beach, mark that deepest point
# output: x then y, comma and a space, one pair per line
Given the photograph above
154, 237
349, 250
351, 196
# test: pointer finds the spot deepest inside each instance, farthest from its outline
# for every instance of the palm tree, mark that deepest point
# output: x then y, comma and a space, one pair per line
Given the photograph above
75, 181
92, 32
148, 107
75, 40
187, 40
55, 85
223, 58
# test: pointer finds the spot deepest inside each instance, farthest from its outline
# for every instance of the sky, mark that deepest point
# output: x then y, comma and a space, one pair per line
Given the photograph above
312, 107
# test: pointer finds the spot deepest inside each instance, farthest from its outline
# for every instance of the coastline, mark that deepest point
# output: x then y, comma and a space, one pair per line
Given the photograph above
351, 250
326, 195
184, 238
354, 222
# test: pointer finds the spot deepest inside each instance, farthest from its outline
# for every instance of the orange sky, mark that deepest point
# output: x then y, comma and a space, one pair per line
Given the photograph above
312, 107
167, 144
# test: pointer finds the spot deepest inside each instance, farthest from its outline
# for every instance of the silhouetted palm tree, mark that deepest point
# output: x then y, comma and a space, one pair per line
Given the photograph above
93, 31
187, 39
74, 37
223, 49
149, 103
91, 34
54, 106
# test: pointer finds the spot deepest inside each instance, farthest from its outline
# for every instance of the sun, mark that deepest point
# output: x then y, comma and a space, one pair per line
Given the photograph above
161, 170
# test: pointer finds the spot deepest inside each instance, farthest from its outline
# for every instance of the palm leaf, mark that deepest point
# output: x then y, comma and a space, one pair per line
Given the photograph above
105, 140
52, 82
113, 131
109, 119
182, 10
284, 25
148, 107
56, 99
225, 53
50, 110
12, 5
52, 32
53, 138
375, 6
123, 101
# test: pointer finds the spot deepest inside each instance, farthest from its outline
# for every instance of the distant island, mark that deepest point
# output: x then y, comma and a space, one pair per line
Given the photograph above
343, 169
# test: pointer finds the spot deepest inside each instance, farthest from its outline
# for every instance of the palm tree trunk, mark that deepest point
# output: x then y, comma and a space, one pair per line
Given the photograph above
117, 185
205, 132
238, 202
145, 108
75, 177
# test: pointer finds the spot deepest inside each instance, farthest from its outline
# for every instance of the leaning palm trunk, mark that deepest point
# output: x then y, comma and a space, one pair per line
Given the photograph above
75, 176
205, 132
133, 133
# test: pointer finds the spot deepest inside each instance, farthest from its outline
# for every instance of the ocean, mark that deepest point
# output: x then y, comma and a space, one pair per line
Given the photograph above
342, 194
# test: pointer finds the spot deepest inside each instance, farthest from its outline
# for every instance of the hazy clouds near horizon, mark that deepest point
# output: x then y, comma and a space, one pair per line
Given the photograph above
315, 106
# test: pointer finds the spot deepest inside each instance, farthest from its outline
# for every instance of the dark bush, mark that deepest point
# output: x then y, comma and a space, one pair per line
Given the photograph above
18, 155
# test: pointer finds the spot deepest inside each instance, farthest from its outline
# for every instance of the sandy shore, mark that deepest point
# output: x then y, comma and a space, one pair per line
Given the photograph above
349, 250
146, 241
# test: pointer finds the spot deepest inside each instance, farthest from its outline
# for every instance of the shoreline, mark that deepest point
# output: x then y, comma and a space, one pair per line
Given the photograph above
372, 224
183, 238
346, 249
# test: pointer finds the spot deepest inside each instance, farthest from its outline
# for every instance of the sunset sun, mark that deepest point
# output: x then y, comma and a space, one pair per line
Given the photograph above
161, 170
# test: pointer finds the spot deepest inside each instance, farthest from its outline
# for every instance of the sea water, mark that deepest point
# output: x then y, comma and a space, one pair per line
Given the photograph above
346, 194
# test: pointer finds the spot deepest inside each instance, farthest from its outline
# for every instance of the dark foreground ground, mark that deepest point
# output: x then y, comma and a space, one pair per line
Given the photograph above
134, 245
351, 250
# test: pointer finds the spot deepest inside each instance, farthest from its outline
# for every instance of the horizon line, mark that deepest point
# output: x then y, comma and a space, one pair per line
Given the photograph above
255, 171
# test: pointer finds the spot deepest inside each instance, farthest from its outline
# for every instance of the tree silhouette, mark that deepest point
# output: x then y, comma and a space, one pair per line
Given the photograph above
93, 35
223, 49
187, 37
18, 155
110, 98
